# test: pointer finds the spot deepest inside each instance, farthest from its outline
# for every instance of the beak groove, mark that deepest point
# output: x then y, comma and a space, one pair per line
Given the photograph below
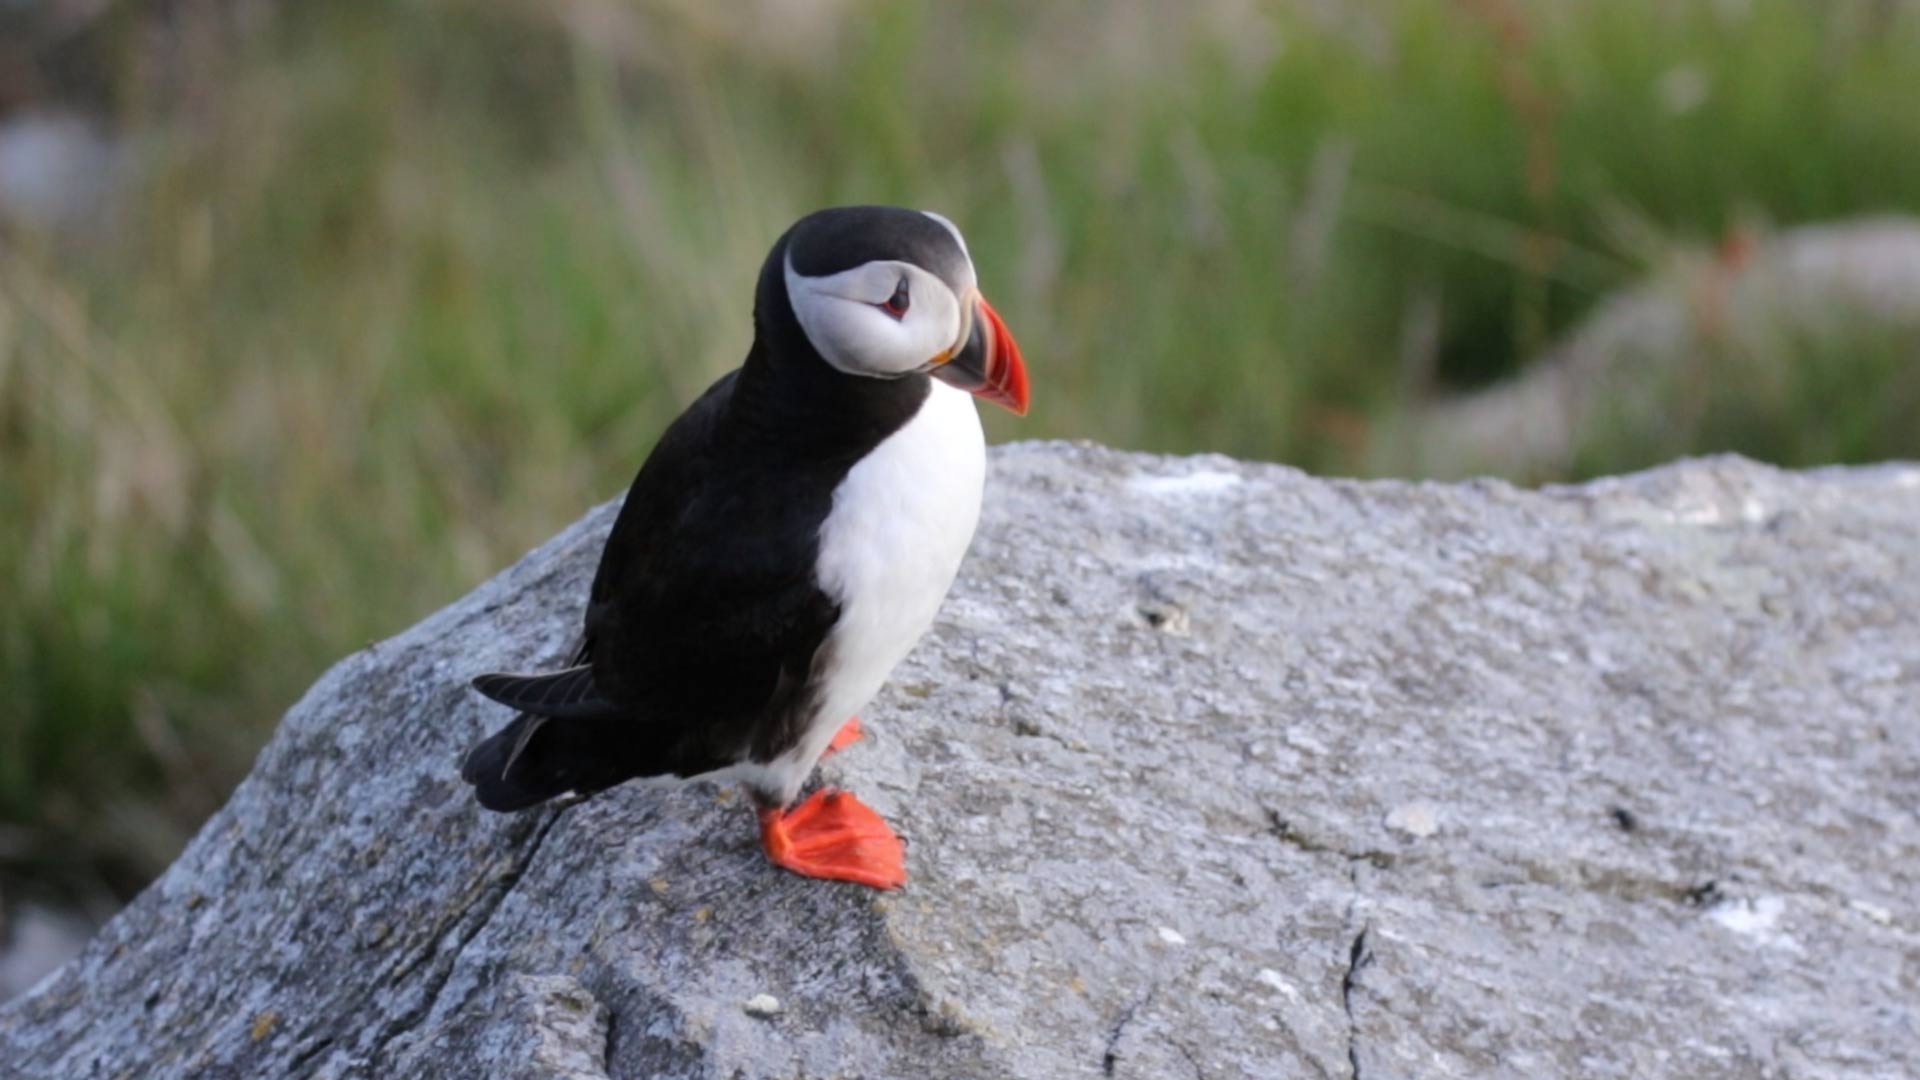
989, 365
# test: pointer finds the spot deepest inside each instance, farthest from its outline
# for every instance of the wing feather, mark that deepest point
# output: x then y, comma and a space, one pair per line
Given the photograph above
565, 693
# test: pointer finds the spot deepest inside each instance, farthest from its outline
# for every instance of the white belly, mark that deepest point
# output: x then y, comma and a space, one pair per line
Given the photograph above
889, 549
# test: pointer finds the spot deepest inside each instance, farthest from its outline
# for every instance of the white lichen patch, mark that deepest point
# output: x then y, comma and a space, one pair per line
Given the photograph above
1274, 980
1697, 513
1757, 918
1873, 911
1419, 819
1199, 482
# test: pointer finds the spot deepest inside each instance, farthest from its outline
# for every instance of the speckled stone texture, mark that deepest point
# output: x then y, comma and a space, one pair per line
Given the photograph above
1209, 770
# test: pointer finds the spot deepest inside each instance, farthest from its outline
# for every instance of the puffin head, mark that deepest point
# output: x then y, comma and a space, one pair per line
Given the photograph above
884, 292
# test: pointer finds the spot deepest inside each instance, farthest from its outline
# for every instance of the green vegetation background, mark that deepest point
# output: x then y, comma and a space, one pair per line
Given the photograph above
402, 288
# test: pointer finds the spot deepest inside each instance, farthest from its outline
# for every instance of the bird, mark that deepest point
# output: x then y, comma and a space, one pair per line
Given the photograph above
786, 543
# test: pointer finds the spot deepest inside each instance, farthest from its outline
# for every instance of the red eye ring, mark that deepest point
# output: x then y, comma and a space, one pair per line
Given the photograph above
898, 303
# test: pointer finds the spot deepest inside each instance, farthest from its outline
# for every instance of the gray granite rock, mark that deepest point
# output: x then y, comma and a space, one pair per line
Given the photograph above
1209, 770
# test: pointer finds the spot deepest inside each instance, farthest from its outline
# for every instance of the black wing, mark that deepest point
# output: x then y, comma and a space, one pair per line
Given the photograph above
701, 628
705, 617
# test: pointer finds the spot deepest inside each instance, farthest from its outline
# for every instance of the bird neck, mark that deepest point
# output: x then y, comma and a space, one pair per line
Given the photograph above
799, 404
789, 399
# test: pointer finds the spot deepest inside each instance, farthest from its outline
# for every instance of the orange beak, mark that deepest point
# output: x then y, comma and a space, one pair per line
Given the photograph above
989, 364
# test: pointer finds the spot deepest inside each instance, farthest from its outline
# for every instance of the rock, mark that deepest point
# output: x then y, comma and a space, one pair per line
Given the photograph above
1734, 335
1670, 719
34, 940
57, 170
559, 1032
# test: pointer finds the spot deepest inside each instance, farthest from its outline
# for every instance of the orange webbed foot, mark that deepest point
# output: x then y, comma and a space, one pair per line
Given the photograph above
848, 734
835, 836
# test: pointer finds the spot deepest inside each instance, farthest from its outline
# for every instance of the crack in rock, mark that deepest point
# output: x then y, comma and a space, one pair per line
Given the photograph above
1192, 1062
1285, 832
1111, 1058
436, 982
1359, 955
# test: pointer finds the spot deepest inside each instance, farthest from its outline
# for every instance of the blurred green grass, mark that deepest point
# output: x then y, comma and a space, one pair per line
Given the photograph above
401, 288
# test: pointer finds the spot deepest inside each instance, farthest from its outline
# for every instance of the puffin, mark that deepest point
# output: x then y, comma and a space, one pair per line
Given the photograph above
786, 543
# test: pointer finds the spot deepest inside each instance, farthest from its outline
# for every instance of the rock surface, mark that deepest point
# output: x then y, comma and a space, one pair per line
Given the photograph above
1209, 770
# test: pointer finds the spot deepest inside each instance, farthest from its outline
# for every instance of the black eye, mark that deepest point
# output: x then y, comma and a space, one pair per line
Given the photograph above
898, 303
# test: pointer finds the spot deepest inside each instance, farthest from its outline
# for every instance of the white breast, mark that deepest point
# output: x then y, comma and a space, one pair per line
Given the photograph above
889, 550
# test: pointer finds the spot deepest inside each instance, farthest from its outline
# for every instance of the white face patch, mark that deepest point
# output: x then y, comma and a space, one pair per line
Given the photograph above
844, 315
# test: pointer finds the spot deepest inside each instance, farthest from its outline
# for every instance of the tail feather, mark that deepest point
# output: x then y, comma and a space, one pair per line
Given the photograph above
537, 758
